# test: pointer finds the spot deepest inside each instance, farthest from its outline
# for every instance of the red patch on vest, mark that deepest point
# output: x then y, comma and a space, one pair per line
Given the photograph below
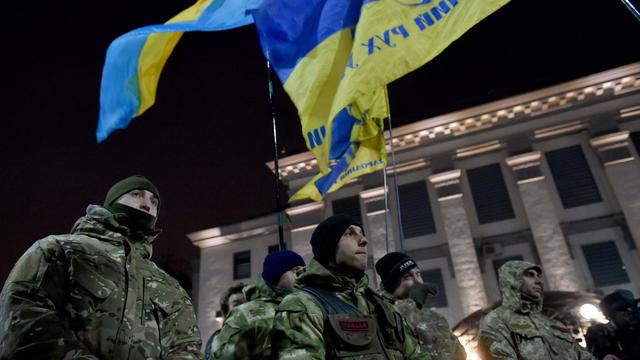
560, 328
354, 326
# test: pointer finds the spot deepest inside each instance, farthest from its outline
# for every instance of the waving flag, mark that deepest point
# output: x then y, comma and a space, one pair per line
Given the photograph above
335, 58
135, 60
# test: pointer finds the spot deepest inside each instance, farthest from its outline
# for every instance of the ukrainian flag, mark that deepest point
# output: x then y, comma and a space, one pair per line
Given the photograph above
335, 58
135, 60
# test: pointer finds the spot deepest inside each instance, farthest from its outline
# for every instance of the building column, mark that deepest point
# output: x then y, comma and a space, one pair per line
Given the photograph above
623, 174
555, 257
373, 200
461, 247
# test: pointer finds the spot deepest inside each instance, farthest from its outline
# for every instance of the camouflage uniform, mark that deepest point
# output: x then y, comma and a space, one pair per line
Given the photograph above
301, 330
518, 330
246, 333
94, 294
432, 331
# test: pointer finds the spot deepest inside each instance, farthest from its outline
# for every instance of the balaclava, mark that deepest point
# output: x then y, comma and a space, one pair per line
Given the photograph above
326, 236
136, 220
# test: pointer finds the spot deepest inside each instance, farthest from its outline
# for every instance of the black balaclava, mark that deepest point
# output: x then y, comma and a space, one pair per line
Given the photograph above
136, 220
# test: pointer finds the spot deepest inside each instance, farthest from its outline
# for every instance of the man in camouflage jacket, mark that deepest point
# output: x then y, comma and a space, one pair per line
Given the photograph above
336, 315
402, 283
95, 294
517, 329
247, 330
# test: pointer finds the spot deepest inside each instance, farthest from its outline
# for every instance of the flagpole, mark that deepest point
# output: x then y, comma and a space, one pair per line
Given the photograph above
631, 8
386, 208
395, 183
276, 167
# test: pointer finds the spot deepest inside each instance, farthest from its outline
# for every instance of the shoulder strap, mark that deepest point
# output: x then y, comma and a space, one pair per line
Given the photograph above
331, 303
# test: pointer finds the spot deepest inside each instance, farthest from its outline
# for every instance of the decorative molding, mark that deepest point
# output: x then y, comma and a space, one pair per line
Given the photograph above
613, 148
447, 184
305, 208
526, 167
479, 149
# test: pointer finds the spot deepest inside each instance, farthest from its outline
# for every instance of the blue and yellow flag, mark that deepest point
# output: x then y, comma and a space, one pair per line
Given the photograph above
335, 58
135, 60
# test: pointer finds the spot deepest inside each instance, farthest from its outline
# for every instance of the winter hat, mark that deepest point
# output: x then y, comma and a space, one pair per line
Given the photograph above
278, 263
391, 267
136, 220
618, 300
326, 236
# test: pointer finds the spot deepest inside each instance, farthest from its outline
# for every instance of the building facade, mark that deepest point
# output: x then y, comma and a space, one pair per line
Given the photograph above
551, 176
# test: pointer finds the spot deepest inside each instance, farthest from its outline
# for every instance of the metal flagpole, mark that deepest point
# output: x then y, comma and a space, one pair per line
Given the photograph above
386, 208
631, 8
275, 162
395, 183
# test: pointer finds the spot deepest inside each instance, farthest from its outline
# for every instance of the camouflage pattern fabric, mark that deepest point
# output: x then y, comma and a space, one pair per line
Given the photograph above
432, 331
518, 330
247, 330
300, 320
94, 294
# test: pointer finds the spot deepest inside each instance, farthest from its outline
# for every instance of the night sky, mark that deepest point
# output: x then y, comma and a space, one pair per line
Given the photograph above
205, 142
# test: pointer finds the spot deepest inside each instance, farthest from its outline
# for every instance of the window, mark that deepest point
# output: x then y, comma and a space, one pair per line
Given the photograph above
499, 262
490, 195
573, 177
349, 206
434, 277
242, 265
605, 264
415, 208
274, 248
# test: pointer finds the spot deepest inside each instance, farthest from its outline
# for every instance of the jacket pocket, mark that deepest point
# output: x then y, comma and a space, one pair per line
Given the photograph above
84, 273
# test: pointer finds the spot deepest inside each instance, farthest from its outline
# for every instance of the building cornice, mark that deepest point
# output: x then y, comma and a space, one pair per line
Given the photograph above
587, 90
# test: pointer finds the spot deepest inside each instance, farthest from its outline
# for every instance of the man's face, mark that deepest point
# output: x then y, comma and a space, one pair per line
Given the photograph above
532, 285
288, 280
406, 282
351, 252
140, 199
235, 300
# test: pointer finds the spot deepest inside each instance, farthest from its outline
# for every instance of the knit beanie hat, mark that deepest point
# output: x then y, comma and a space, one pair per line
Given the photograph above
391, 267
278, 263
137, 220
326, 236
618, 300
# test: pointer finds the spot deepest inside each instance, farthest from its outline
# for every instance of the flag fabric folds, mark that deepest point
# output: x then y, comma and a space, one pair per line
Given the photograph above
135, 60
335, 58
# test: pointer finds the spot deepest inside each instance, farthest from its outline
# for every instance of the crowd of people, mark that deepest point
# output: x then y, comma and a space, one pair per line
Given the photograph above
95, 294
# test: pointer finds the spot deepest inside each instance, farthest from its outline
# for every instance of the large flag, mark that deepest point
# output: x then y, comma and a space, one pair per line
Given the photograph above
135, 60
334, 56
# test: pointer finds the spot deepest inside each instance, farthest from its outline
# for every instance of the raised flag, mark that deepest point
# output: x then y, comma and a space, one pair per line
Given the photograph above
135, 60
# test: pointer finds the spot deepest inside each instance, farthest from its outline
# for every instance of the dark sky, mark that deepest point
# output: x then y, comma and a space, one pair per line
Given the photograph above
205, 142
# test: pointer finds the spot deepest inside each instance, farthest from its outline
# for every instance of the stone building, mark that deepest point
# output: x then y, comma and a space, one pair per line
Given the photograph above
551, 176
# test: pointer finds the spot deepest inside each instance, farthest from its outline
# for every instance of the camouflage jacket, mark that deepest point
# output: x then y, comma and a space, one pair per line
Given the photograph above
432, 331
518, 330
300, 322
246, 333
94, 294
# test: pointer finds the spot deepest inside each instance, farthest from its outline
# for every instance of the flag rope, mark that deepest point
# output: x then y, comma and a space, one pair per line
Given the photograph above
395, 183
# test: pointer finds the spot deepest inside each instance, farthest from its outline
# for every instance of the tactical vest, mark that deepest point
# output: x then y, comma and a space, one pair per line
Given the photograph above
349, 334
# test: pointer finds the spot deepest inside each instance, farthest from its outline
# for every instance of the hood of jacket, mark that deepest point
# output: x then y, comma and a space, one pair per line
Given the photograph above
262, 291
100, 223
510, 277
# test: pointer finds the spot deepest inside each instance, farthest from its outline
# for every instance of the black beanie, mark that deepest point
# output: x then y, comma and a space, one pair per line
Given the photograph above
391, 267
326, 236
618, 300
278, 263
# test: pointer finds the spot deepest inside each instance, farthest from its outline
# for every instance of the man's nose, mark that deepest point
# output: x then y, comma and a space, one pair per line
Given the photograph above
363, 241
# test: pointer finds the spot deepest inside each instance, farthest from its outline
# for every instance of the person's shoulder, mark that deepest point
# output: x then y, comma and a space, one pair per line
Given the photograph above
496, 316
299, 301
